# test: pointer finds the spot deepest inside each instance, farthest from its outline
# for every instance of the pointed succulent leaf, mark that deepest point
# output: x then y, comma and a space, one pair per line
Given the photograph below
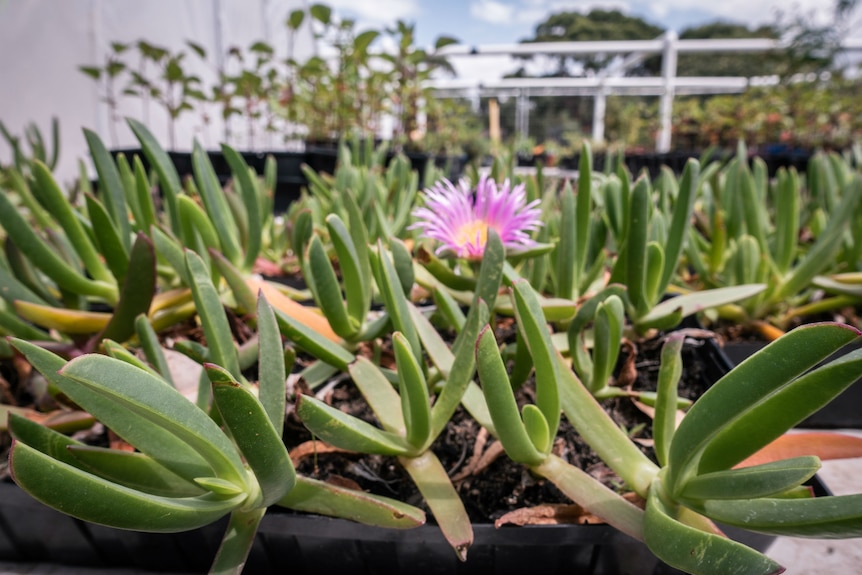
607, 338
322, 498
251, 203
358, 294
769, 417
136, 294
45, 257
91, 498
110, 187
107, 239
68, 321
169, 180
834, 517
537, 427
747, 385
694, 302
321, 278
764, 480
379, 393
131, 391
164, 446
670, 371
392, 293
680, 222
442, 498
272, 368
501, 402
212, 315
532, 322
414, 393
695, 551
345, 431
255, 435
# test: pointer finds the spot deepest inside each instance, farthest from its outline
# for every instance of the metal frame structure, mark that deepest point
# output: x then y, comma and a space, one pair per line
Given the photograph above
612, 81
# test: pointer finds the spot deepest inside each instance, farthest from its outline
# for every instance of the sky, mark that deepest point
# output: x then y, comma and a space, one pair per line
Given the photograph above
478, 22
507, 21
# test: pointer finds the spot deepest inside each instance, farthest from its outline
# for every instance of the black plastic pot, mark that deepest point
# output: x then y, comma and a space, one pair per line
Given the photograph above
289, 177
309, 544
845, 411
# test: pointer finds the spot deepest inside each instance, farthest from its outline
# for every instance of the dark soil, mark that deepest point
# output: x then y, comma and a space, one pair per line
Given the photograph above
504, 485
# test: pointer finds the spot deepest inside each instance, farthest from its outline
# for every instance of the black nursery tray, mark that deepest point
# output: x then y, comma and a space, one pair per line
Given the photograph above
845, 411
308, 544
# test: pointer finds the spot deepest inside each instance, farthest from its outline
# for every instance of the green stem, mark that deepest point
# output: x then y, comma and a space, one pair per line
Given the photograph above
237, 542
593, 495
433, 482
603, 434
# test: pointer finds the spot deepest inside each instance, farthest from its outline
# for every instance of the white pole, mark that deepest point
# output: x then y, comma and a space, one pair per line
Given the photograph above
668, 74
599, 106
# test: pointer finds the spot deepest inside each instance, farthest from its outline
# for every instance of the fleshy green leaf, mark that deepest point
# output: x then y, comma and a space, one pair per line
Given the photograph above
345, 431
694, 302
254, 434
442, 498
695, 551
323, 283
272, 370
213, 319
314, 496
139, 287
248, 190
85, 496
834, 517
124, 391
531, 321
745, 386
108, 239
110, 187
169, 180
664, 422
393, 296
751, 482
537, 427
134, 470
358, 294
501, 402
767, 418
216, 205
414, 393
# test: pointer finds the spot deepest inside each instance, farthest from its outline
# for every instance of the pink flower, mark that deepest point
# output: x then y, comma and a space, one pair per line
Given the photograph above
460, 218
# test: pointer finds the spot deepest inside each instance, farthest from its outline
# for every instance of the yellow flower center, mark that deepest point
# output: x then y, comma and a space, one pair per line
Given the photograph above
468, 233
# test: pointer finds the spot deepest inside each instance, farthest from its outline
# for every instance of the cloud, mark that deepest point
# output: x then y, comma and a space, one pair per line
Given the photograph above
492, 11
378, 11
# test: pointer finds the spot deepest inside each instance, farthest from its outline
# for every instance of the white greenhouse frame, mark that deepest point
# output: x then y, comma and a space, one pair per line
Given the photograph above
611, 80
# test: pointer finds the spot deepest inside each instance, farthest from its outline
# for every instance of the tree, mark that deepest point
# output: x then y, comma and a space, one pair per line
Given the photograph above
813, 47
727, 63
595, 25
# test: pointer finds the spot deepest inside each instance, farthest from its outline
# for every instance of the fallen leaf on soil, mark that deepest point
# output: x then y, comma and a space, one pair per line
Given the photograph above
118, 443
266, 267
556, 514
312, 447
339, 481
628, 372
481, 458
